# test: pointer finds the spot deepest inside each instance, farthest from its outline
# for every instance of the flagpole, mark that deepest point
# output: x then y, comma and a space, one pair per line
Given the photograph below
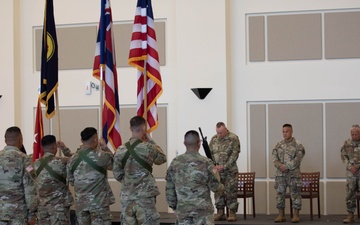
102, 39
145, 96
58, 116
101, 100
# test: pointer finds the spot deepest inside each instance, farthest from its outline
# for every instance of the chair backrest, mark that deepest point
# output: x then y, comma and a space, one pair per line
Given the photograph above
310, 182
246, 182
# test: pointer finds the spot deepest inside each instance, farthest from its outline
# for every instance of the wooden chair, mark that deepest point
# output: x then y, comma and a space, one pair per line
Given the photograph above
246, 189
309, 190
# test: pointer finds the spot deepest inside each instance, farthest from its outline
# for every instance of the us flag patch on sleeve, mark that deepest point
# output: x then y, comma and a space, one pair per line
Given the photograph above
31, 171
29, 168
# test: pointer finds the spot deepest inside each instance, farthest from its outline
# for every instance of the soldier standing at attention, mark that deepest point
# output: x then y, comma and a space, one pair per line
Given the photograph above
287, 156
350, 155
54, 195
86, 171
18, 202
225, 148
189, 179
133, 168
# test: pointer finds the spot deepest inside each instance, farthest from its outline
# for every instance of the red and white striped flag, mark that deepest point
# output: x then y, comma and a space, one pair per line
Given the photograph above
38, 133
105, 58
143, 55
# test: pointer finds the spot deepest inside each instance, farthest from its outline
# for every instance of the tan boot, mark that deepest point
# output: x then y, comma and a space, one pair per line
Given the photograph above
220, 215
281, 217
232, 216
295, 218
349, 218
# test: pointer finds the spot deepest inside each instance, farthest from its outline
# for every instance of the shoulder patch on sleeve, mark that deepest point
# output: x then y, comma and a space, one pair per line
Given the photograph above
29, 168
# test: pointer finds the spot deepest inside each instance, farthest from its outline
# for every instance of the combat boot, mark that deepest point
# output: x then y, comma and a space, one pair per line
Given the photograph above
295, 218
281, 217
349, 218
232, 216
220, 215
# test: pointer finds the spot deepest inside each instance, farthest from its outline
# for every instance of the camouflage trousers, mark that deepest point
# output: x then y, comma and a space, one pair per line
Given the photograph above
199, 220
294, 184
17, 221
352, 183
20, 219
229, 197
49, 215
140, 212
99, 216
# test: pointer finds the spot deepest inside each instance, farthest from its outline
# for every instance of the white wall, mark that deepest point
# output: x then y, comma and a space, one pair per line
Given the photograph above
7, 77
287, 80
200, 62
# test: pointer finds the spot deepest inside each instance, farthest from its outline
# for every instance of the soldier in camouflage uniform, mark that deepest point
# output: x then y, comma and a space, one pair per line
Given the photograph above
225, 149
18, 202
189, 179
350, 155
54, 196
133, 168
87, 172
287, 156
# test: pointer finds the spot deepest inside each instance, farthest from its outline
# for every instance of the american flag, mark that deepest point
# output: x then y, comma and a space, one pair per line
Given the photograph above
143, 55
105, 58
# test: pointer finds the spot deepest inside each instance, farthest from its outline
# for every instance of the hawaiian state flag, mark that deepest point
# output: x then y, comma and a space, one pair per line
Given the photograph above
143, 49
49, 61
38, 133
105, 58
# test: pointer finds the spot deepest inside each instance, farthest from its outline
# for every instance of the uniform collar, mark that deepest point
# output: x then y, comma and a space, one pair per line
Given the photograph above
48, 153
11, 148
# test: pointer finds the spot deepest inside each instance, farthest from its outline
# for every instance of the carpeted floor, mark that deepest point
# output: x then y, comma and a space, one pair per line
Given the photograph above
261, 219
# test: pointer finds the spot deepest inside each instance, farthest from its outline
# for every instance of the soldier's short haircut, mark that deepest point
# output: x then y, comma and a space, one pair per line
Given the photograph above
48, 140
87, 133
12, 133
220, 124
287, 125
191, 137
137, 121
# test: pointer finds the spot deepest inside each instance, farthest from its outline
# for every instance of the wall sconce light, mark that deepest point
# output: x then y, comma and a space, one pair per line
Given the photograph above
201, 93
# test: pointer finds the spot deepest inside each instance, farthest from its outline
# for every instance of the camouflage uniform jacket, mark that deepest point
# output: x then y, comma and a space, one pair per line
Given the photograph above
92, 189
189, 180
17, 189
52, 192
226, 151
290, 153
138, 182
350, 155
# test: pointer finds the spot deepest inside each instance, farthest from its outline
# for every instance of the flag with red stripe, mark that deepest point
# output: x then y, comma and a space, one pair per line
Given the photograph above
144, 56
38, 133
105, 58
